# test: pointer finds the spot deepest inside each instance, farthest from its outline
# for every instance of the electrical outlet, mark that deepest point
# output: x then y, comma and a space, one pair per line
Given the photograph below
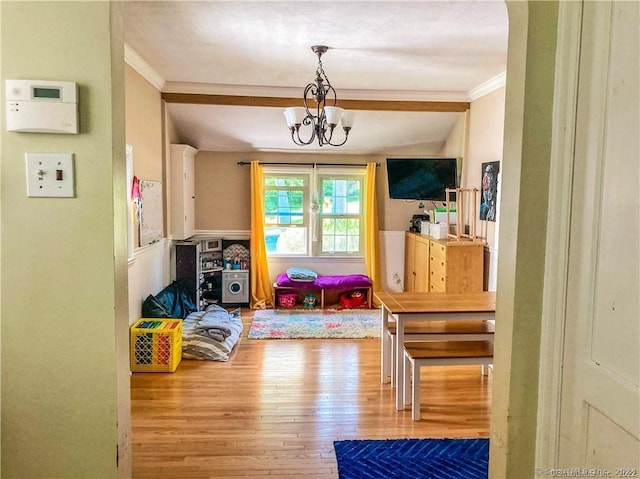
50, 175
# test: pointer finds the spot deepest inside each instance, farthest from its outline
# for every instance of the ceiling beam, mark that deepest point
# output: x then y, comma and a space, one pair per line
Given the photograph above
370, 105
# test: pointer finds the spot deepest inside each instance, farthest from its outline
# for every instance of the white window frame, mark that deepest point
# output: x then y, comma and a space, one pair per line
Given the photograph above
312, 216
306, 217
339, 174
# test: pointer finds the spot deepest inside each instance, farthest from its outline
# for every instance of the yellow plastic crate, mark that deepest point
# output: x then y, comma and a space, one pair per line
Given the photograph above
156, 345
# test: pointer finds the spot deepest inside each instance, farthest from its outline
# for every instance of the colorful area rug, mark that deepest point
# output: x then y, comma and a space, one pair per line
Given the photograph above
413, 459
329, 323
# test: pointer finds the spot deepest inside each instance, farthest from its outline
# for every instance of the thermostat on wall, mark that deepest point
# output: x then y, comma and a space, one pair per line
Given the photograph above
40, 106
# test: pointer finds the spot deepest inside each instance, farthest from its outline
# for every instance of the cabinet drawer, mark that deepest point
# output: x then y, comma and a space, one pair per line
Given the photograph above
438, 251
438, 266
438, 280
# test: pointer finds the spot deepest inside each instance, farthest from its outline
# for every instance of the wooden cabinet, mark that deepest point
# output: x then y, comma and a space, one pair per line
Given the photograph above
442, 265
416, 267
183, 191
455, 266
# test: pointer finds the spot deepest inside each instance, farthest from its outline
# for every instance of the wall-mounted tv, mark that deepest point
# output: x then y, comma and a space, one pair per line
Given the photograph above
421, 178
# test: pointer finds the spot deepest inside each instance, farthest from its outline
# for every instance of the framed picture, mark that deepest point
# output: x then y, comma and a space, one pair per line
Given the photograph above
489, 191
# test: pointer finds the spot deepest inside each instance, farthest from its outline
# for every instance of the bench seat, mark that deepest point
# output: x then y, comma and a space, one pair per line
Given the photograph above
463, 330
439, 353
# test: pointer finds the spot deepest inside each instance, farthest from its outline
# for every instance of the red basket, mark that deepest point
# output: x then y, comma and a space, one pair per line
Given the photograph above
354, 299
287, 300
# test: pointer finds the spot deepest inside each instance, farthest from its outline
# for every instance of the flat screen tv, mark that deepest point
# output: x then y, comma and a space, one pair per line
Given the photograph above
421, 178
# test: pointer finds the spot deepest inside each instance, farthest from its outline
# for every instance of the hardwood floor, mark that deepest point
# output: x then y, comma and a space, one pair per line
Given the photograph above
275, 408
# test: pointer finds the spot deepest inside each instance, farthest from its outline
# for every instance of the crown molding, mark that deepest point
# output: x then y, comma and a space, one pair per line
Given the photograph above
487, 87
136, 62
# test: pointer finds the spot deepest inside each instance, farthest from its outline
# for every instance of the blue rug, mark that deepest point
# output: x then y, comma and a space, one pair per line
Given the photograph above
413, 459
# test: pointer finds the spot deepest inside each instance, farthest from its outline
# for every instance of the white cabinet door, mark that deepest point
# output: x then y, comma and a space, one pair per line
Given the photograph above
183, 203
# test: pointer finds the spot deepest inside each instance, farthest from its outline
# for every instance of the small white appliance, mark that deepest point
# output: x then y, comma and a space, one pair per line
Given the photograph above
209, 245
235, 286
441, 217
438, 230
41, 106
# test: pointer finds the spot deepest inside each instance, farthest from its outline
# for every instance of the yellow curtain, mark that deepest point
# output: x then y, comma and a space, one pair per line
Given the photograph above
261, 294
371, 236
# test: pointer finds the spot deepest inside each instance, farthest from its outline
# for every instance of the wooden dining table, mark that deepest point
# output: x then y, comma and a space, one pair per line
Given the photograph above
426, 307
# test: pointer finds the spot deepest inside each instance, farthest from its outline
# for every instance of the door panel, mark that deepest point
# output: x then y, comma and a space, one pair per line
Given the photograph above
189, 195
600, 409
409, 259
421, 265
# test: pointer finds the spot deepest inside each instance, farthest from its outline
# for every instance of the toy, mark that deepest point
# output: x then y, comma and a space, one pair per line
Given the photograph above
309, 301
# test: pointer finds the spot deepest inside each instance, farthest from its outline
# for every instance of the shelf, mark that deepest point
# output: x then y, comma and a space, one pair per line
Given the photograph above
212, 270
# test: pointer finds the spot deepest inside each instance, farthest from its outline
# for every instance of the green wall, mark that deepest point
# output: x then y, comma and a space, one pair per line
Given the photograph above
64, 260
523, 223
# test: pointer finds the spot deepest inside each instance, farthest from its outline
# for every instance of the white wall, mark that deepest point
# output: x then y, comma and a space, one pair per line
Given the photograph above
148, 274
477, 137
392, 260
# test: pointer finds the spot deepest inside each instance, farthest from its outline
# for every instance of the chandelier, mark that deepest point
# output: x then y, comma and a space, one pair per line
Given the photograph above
324, 119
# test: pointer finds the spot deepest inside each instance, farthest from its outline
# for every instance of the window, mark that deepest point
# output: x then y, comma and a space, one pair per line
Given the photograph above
316, 213
340, 215
286, 199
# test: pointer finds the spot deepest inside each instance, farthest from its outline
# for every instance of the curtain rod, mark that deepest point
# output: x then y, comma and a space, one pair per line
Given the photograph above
245, 163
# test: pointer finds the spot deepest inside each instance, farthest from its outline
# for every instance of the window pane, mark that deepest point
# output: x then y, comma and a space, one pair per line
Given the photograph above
284, 218
353, 206
327, 244
286, 240
353, 244
328, 226
327, 205
340, 244
296, 199
353, 226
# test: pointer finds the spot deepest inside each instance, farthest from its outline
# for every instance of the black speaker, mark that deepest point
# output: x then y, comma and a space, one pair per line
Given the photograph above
415, 222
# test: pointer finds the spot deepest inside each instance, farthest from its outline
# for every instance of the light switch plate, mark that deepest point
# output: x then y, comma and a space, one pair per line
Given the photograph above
50, 175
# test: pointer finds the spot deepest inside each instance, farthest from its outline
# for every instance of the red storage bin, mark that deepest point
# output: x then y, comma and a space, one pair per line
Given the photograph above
354, 299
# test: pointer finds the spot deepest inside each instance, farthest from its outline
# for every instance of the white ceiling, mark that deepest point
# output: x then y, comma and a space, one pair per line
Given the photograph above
379, 50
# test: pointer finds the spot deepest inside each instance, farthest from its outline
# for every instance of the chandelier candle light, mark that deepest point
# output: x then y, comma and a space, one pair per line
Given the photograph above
326, 118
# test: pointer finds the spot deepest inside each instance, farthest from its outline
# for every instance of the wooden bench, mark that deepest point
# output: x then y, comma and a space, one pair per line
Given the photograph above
459, 330
439, 353
325, 289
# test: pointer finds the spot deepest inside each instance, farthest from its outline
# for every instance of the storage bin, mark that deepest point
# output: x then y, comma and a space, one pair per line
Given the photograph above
156, 345
287, 300
354, 299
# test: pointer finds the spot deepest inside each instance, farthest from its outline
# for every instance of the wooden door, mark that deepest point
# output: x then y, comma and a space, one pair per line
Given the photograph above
599, 411
409, 258
421, 265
